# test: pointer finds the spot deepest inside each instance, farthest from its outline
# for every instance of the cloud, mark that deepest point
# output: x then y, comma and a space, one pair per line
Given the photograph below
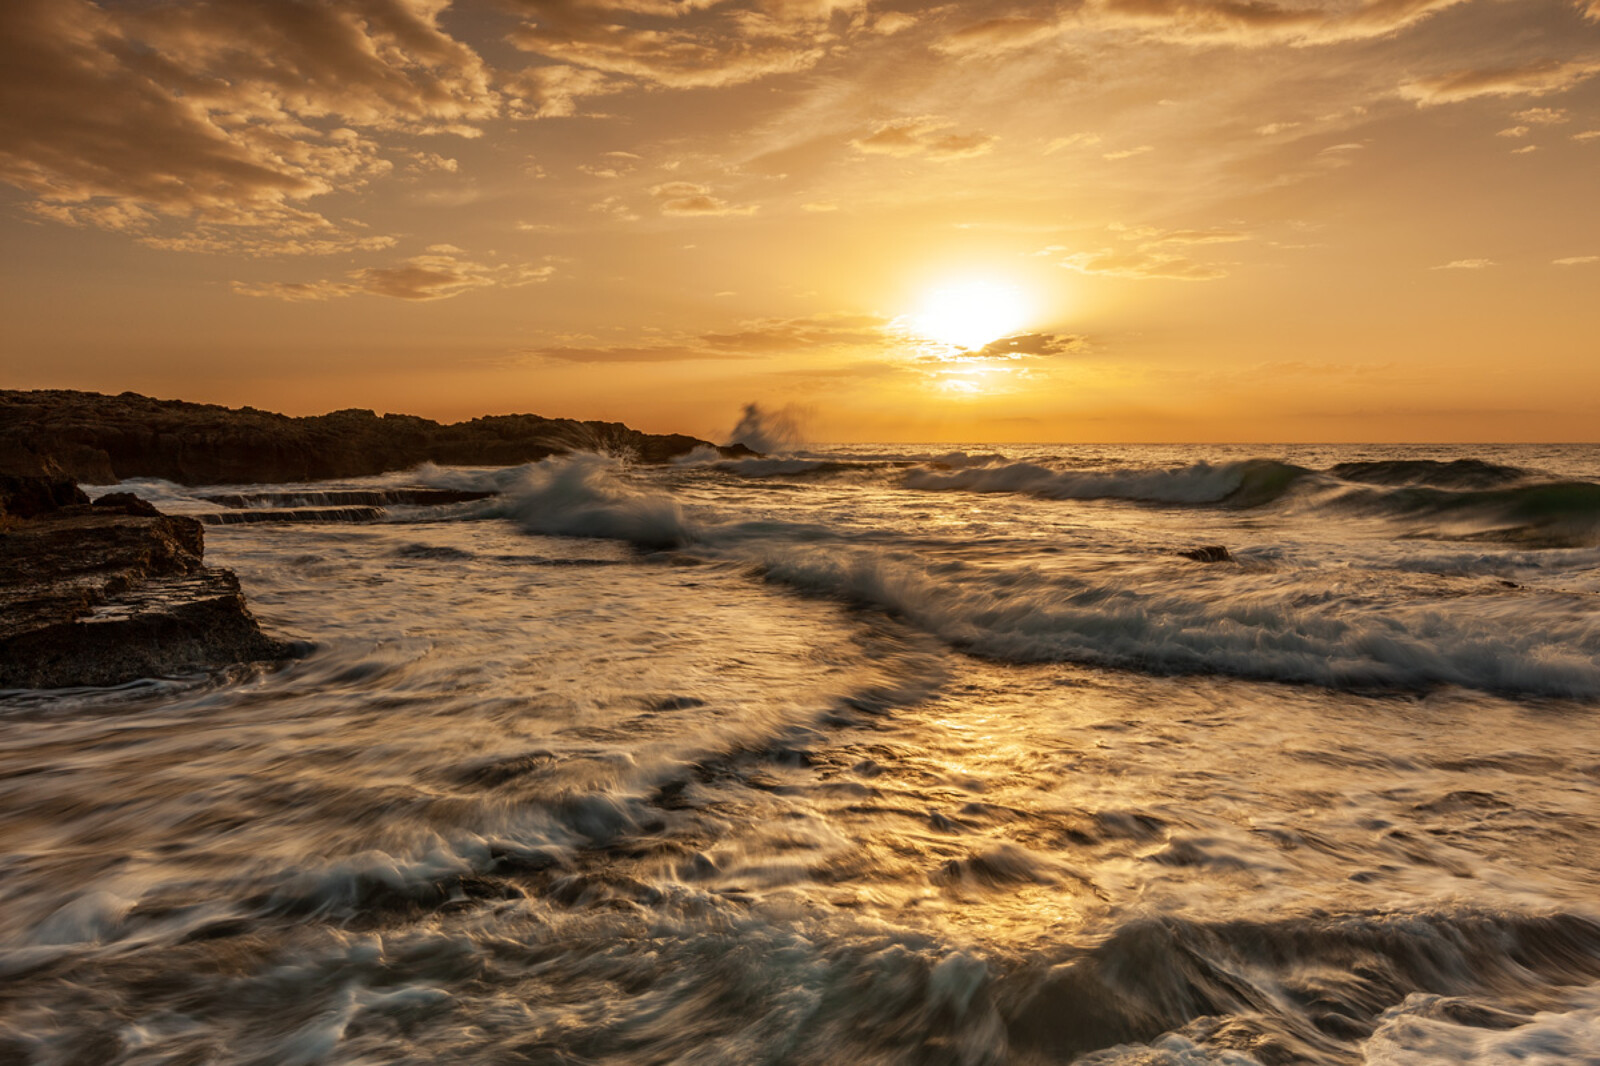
729, 46
1259, 22
995, 35
1034, 345
1538, 78
1543, 116
554, 91
758, 338
664, 353
1514, 131
1156, 238
1142, 264
772, 335
438, 275
185, 123
893, 22
1576, 260
923, 136
687, 198
1129, 153
1466, 264
1072, 140
1153, 254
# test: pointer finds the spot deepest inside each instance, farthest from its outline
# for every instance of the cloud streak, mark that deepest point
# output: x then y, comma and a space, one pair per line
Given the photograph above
1538, 78
926, 135
438, 275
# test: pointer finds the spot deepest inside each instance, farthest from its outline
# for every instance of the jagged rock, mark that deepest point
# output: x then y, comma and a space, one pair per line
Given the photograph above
1211, 553
126, 503
96, 595
102, 439
25, 497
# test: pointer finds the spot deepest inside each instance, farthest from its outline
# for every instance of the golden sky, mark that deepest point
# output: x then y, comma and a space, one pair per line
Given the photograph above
1251, 220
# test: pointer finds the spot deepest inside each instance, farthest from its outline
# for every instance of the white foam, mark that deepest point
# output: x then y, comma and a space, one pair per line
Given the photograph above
585, 495
1267, 626
1407, 1036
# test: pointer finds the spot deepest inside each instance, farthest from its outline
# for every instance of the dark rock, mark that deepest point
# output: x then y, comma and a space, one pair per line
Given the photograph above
349, 497
98, 596
27, 496
103, 439
126, 503
299, 514
1211, 553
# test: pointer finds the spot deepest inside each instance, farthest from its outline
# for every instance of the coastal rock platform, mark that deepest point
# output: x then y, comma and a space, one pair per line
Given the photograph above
101, 595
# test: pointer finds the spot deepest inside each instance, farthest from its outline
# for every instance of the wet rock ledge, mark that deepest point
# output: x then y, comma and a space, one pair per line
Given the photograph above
103, 593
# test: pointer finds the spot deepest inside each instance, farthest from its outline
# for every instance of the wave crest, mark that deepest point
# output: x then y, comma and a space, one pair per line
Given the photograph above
1246, 483
583, 495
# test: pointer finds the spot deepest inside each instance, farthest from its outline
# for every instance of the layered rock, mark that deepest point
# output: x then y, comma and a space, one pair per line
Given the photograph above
106, 593
101, 439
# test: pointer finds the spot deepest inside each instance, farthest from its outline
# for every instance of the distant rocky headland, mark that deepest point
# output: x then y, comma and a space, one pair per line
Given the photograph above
99, 439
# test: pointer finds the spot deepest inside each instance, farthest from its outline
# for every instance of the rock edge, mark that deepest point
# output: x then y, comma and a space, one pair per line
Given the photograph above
101, 594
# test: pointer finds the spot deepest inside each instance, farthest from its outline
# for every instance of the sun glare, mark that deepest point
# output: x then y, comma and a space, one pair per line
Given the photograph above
971, 313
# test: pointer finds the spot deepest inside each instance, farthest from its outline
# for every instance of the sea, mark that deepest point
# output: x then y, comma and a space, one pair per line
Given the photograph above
864, 754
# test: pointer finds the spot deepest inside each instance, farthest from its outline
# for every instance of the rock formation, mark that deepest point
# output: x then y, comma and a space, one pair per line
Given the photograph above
105, 593
100, 439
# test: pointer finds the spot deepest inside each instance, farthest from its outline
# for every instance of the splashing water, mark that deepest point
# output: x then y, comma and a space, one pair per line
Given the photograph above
768, 432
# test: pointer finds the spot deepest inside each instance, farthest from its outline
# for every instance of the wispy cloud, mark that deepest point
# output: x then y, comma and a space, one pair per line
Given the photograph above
1142, 265
927, 135
757, 338
1465, 264
438, 275
995, 35
1537, 78
687, 198
1260, 22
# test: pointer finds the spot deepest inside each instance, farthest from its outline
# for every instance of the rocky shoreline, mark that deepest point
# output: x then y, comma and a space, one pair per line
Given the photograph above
99, 439
109, 592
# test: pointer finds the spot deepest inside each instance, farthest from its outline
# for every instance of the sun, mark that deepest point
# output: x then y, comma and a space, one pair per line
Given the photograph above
971, 312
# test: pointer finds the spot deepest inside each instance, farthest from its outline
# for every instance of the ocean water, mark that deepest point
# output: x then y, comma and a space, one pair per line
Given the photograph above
855, 755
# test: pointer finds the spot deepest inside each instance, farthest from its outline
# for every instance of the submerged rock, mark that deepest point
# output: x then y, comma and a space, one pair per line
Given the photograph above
1210, 553
100, 595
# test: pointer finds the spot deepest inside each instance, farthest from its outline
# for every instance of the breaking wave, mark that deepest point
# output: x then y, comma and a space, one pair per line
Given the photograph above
1308, 987
1451, 474
583, 495
1268, 627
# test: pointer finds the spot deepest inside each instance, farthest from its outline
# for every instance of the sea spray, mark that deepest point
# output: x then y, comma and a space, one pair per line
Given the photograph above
769, 432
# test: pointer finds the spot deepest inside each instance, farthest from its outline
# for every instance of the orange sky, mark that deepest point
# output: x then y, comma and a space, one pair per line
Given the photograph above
1106, 220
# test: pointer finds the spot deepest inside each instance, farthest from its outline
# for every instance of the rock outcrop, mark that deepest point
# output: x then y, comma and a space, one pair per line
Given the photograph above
1210, 553
100, 439
106, 593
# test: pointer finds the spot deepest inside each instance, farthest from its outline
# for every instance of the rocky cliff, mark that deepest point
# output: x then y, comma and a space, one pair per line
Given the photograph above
100, 439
